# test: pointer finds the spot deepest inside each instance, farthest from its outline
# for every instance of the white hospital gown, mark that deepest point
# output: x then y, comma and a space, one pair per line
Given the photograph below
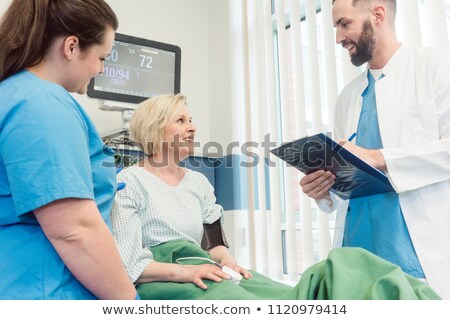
148, 212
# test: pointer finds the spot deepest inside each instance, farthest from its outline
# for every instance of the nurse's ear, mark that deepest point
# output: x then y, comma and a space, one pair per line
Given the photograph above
71, 47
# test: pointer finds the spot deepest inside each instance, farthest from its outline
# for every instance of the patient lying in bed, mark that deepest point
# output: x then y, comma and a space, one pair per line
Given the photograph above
167, 212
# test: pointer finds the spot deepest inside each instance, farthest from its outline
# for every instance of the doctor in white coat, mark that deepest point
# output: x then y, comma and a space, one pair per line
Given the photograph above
410, 119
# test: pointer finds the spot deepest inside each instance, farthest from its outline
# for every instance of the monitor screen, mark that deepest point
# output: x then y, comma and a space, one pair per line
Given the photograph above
137, 69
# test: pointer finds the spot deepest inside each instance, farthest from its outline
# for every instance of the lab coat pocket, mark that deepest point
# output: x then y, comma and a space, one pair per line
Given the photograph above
422, 121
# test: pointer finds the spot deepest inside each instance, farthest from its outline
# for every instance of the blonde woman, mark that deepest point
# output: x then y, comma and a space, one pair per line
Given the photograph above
163, 201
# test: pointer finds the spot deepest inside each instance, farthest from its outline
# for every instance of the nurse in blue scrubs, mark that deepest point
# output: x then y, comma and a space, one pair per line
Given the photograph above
57, 182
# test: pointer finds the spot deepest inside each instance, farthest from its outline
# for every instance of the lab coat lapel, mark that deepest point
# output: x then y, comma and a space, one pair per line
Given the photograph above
354, 116
390, 102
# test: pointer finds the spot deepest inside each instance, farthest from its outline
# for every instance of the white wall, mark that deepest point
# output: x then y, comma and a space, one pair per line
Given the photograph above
220, 72
200, 29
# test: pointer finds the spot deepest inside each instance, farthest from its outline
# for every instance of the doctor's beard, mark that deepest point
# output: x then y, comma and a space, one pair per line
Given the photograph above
364, 46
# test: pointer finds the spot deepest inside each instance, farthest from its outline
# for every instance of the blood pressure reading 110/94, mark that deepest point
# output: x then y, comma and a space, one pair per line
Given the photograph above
137, 70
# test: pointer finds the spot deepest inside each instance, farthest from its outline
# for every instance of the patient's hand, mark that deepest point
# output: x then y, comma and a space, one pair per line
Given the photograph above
161, 271
196, 274
230, 262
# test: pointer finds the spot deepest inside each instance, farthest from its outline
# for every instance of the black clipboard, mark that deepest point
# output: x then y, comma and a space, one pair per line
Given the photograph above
354, 177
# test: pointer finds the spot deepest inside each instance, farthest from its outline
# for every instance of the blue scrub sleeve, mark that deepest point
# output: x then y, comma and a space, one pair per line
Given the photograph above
45, 152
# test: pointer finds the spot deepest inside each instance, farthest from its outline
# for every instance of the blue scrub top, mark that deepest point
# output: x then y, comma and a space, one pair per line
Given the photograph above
376, 222
49, 150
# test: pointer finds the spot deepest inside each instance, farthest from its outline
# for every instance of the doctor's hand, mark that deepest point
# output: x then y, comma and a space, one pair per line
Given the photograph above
373, 157
317, 184
230, 262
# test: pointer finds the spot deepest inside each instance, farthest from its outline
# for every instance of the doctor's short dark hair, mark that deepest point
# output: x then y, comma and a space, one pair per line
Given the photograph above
392, 4
356, 1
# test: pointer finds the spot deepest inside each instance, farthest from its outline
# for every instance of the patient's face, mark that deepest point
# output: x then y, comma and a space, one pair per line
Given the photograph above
179, 134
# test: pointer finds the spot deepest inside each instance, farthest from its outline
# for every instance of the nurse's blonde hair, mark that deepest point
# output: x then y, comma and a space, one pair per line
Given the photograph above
151, 117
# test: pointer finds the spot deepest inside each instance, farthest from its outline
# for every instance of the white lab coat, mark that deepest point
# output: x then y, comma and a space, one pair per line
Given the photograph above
413, 105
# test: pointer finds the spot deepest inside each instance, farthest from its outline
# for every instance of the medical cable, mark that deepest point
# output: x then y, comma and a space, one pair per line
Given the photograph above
199, 258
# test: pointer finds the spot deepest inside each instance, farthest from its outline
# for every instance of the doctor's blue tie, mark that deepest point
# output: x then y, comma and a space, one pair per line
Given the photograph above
368, 129
376, 222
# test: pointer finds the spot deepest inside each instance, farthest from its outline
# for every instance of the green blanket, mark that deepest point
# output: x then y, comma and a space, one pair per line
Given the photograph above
347, 273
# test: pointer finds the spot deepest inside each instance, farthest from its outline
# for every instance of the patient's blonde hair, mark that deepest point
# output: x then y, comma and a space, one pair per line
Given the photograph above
151, 117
